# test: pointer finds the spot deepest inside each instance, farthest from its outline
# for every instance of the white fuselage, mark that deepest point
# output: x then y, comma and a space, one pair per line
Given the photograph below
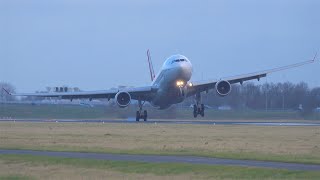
176, 69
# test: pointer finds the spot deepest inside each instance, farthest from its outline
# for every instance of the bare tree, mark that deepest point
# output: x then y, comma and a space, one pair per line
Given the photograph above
5, 96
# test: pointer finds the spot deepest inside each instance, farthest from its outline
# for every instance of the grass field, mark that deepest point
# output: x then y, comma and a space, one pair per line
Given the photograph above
102, 112
288, 144
285, 144
37, 167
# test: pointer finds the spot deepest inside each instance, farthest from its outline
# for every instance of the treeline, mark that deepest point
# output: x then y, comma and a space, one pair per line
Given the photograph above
269, 96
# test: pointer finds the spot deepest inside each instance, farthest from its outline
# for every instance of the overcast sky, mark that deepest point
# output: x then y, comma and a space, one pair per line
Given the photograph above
97, 45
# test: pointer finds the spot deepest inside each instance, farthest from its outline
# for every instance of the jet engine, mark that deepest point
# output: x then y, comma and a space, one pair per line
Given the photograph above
123, 99
223, 88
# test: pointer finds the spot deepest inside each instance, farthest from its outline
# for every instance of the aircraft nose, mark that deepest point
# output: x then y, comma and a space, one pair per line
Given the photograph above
185, 70
185, 66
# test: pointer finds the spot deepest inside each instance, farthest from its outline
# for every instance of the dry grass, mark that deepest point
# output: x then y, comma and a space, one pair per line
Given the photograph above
299, 144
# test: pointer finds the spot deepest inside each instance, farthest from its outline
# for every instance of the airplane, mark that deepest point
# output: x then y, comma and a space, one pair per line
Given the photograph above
170, 86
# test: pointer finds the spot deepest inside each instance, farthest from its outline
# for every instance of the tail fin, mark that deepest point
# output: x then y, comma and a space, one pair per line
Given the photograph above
152, 75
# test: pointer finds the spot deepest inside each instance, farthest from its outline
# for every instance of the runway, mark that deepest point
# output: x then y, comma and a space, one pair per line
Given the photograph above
168, 159
204, 122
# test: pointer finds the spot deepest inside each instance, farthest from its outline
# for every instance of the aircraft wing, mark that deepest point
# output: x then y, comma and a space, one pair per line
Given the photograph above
201, 86
142, 93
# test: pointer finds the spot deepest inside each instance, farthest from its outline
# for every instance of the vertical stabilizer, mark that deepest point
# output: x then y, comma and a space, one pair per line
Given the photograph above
152, 75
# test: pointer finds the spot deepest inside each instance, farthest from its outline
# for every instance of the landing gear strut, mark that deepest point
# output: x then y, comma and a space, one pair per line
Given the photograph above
198, 108
141, 114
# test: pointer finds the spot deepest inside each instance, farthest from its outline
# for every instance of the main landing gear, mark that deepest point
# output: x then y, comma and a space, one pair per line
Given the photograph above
198, 108
141, 114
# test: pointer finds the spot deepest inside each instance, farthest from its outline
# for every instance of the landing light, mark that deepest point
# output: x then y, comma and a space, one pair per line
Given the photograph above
180, 83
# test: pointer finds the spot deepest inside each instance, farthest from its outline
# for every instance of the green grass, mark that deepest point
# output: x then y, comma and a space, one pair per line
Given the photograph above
79, 112
15, 177
28, 111
162, 169
304, 159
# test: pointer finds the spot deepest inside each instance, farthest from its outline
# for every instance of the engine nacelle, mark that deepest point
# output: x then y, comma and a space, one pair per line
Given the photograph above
223, 88
123, 99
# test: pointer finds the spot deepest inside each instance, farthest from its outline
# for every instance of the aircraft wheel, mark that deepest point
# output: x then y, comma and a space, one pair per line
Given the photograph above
138, 116
195, 111
195, 114
202, 110
145, 115
202, 113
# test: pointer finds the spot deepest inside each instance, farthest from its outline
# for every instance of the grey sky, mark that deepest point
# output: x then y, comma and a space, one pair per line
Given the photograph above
101, 44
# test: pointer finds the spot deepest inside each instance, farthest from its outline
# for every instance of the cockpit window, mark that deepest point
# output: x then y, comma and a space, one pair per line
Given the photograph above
178, 60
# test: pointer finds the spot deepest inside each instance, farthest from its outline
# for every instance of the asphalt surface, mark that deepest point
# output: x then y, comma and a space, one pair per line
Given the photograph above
206, 122
168, 159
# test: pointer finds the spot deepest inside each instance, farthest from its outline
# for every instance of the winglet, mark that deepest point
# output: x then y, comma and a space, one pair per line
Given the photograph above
7, 91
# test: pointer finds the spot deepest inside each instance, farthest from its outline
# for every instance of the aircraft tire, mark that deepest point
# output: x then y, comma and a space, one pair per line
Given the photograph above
195, 111
145, 115
137, 116
202, 113
202, 110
